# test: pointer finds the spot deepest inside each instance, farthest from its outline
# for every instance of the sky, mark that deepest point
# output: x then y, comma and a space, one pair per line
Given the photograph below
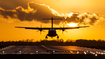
29, 13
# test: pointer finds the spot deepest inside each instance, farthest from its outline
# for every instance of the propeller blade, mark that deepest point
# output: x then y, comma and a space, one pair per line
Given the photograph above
40, 32
59, 30
41, 25
37, 26
62, 32
66, 31
63, 26
60, 26
43, 31
37, 31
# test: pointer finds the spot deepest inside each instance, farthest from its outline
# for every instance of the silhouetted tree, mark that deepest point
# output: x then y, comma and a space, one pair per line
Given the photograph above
2, 41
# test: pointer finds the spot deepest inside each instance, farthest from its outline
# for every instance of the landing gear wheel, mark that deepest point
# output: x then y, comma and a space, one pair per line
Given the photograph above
57, 37
46, 37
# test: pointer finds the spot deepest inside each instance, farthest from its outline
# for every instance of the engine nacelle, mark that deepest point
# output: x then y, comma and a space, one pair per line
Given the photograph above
40, 30
63, 29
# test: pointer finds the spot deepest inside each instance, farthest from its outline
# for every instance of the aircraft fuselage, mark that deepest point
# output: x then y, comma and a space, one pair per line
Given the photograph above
52, 33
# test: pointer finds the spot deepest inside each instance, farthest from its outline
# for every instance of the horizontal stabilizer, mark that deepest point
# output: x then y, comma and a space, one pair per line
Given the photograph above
52, 18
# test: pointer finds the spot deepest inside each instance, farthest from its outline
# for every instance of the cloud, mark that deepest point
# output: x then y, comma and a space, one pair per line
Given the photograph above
11, 4
34, 12
37, 11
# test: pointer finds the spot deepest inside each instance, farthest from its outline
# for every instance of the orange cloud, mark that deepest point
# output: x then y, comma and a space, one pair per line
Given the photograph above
37, 11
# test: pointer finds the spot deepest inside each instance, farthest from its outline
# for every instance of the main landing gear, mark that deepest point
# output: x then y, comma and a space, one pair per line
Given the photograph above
52, 37
46, 37
57, 37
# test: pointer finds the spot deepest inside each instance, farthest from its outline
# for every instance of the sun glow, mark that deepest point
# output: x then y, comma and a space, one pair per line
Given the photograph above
72, 24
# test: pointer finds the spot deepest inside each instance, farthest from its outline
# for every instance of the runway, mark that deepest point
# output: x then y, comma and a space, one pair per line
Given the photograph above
49, 50
23, 49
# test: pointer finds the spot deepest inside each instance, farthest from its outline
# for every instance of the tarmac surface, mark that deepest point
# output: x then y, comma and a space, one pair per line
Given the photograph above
50, 50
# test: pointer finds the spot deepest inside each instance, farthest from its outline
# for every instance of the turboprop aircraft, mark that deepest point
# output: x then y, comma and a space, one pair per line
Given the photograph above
52, 31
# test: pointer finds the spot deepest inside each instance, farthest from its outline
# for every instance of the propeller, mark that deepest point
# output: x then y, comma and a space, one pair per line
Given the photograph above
63, 31
40, 29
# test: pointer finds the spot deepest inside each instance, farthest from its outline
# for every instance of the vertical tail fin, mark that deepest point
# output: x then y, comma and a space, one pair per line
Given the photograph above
52, 20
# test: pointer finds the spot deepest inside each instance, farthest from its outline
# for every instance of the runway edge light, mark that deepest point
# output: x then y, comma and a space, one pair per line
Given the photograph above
70, 51
3, 52
20, 52
36, 52
95, 54
87, 51
53, 52
103, 52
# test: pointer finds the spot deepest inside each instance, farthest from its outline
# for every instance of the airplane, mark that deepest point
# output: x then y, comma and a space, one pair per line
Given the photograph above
52, 31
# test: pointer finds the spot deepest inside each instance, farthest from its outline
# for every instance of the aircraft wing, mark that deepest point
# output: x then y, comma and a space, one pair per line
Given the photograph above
34, 28
71, 27
57, 28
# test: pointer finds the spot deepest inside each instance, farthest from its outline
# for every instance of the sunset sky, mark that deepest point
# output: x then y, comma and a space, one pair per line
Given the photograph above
29, 13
